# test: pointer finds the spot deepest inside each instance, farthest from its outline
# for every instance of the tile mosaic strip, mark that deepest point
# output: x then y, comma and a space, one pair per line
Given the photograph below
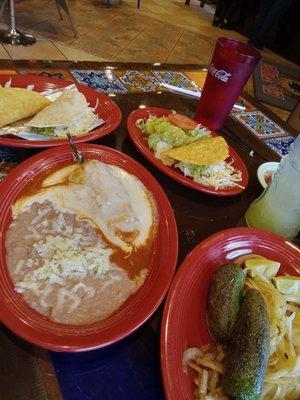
259, 124
272, 90
176, 78
139, 81
49, 73
103, 81
269, 72
281, 145
10, 154
9, 158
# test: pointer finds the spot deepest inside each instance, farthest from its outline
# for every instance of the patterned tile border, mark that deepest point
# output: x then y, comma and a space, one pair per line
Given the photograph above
259, 124
281, 145
103, 81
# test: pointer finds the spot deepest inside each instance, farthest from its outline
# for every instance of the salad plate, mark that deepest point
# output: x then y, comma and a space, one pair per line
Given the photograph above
143, 143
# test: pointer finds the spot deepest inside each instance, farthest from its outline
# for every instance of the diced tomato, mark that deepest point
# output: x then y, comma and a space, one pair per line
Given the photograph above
183, 122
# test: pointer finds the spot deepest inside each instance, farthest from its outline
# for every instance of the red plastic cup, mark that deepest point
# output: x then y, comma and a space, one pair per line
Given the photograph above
231, 65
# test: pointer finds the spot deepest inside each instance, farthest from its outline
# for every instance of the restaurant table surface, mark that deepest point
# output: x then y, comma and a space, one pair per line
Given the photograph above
130, 369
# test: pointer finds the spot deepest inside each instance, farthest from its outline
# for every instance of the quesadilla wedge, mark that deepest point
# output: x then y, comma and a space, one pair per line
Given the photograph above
17, 104
69, 113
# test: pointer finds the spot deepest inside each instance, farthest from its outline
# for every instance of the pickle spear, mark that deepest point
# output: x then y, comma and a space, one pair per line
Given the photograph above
248, 355
223, 302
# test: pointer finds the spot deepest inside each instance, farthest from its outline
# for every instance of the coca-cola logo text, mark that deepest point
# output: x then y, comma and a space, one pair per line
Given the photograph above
219, 73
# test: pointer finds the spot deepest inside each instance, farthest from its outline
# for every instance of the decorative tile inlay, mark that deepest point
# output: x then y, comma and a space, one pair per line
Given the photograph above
259, 124
103, 81
269, 72
176, 78
9, 158
281, 145
139, 81
273, 90
49, 73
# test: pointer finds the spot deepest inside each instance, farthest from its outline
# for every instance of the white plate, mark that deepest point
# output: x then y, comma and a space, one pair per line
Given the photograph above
263, 169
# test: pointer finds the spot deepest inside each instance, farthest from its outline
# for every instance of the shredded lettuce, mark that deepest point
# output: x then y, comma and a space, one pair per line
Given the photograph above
193, 170
78, 126
153, 140
161, 130
48, 131
218, 175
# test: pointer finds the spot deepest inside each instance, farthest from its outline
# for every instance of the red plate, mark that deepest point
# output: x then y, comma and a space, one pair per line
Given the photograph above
107, 109
139, 141
36, 328
183, 323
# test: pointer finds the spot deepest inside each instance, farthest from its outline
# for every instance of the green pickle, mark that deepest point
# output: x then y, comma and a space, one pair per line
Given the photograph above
248, 354
224, 299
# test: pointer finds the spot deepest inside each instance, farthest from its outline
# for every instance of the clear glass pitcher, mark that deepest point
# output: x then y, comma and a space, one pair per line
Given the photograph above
278, 208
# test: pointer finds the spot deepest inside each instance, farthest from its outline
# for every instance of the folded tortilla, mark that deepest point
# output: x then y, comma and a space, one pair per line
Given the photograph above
17, 104
61, 112
205, 151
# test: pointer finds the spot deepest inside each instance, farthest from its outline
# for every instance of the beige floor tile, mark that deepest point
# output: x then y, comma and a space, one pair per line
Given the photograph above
162, 30
73, 54
154, 44
191, 48
41, 50
111, 38
3, 53
181, 58
45, 21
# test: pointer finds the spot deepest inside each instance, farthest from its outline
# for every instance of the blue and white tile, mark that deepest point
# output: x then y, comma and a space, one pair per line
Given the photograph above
259, 124
281, 145
9, 158
10, 154
139, 81
176, 78
103, 81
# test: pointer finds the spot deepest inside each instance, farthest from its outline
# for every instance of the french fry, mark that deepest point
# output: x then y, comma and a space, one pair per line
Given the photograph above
214, 365
194, 366
214, 377
203, 384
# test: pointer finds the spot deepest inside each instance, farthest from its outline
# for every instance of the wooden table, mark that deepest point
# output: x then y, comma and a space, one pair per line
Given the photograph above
27, 372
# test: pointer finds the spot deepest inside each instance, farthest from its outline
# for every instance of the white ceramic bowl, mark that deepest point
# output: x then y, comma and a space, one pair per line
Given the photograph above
263, 169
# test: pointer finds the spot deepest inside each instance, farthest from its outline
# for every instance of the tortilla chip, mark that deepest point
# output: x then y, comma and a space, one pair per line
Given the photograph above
166, 159
206, 151
17, 104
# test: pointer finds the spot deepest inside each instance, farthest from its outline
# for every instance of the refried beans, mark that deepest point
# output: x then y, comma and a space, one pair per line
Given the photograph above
64, 268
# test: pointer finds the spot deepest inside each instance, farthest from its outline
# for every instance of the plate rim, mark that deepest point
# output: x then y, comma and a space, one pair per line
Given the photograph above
60, 83
161, 281
170, 172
